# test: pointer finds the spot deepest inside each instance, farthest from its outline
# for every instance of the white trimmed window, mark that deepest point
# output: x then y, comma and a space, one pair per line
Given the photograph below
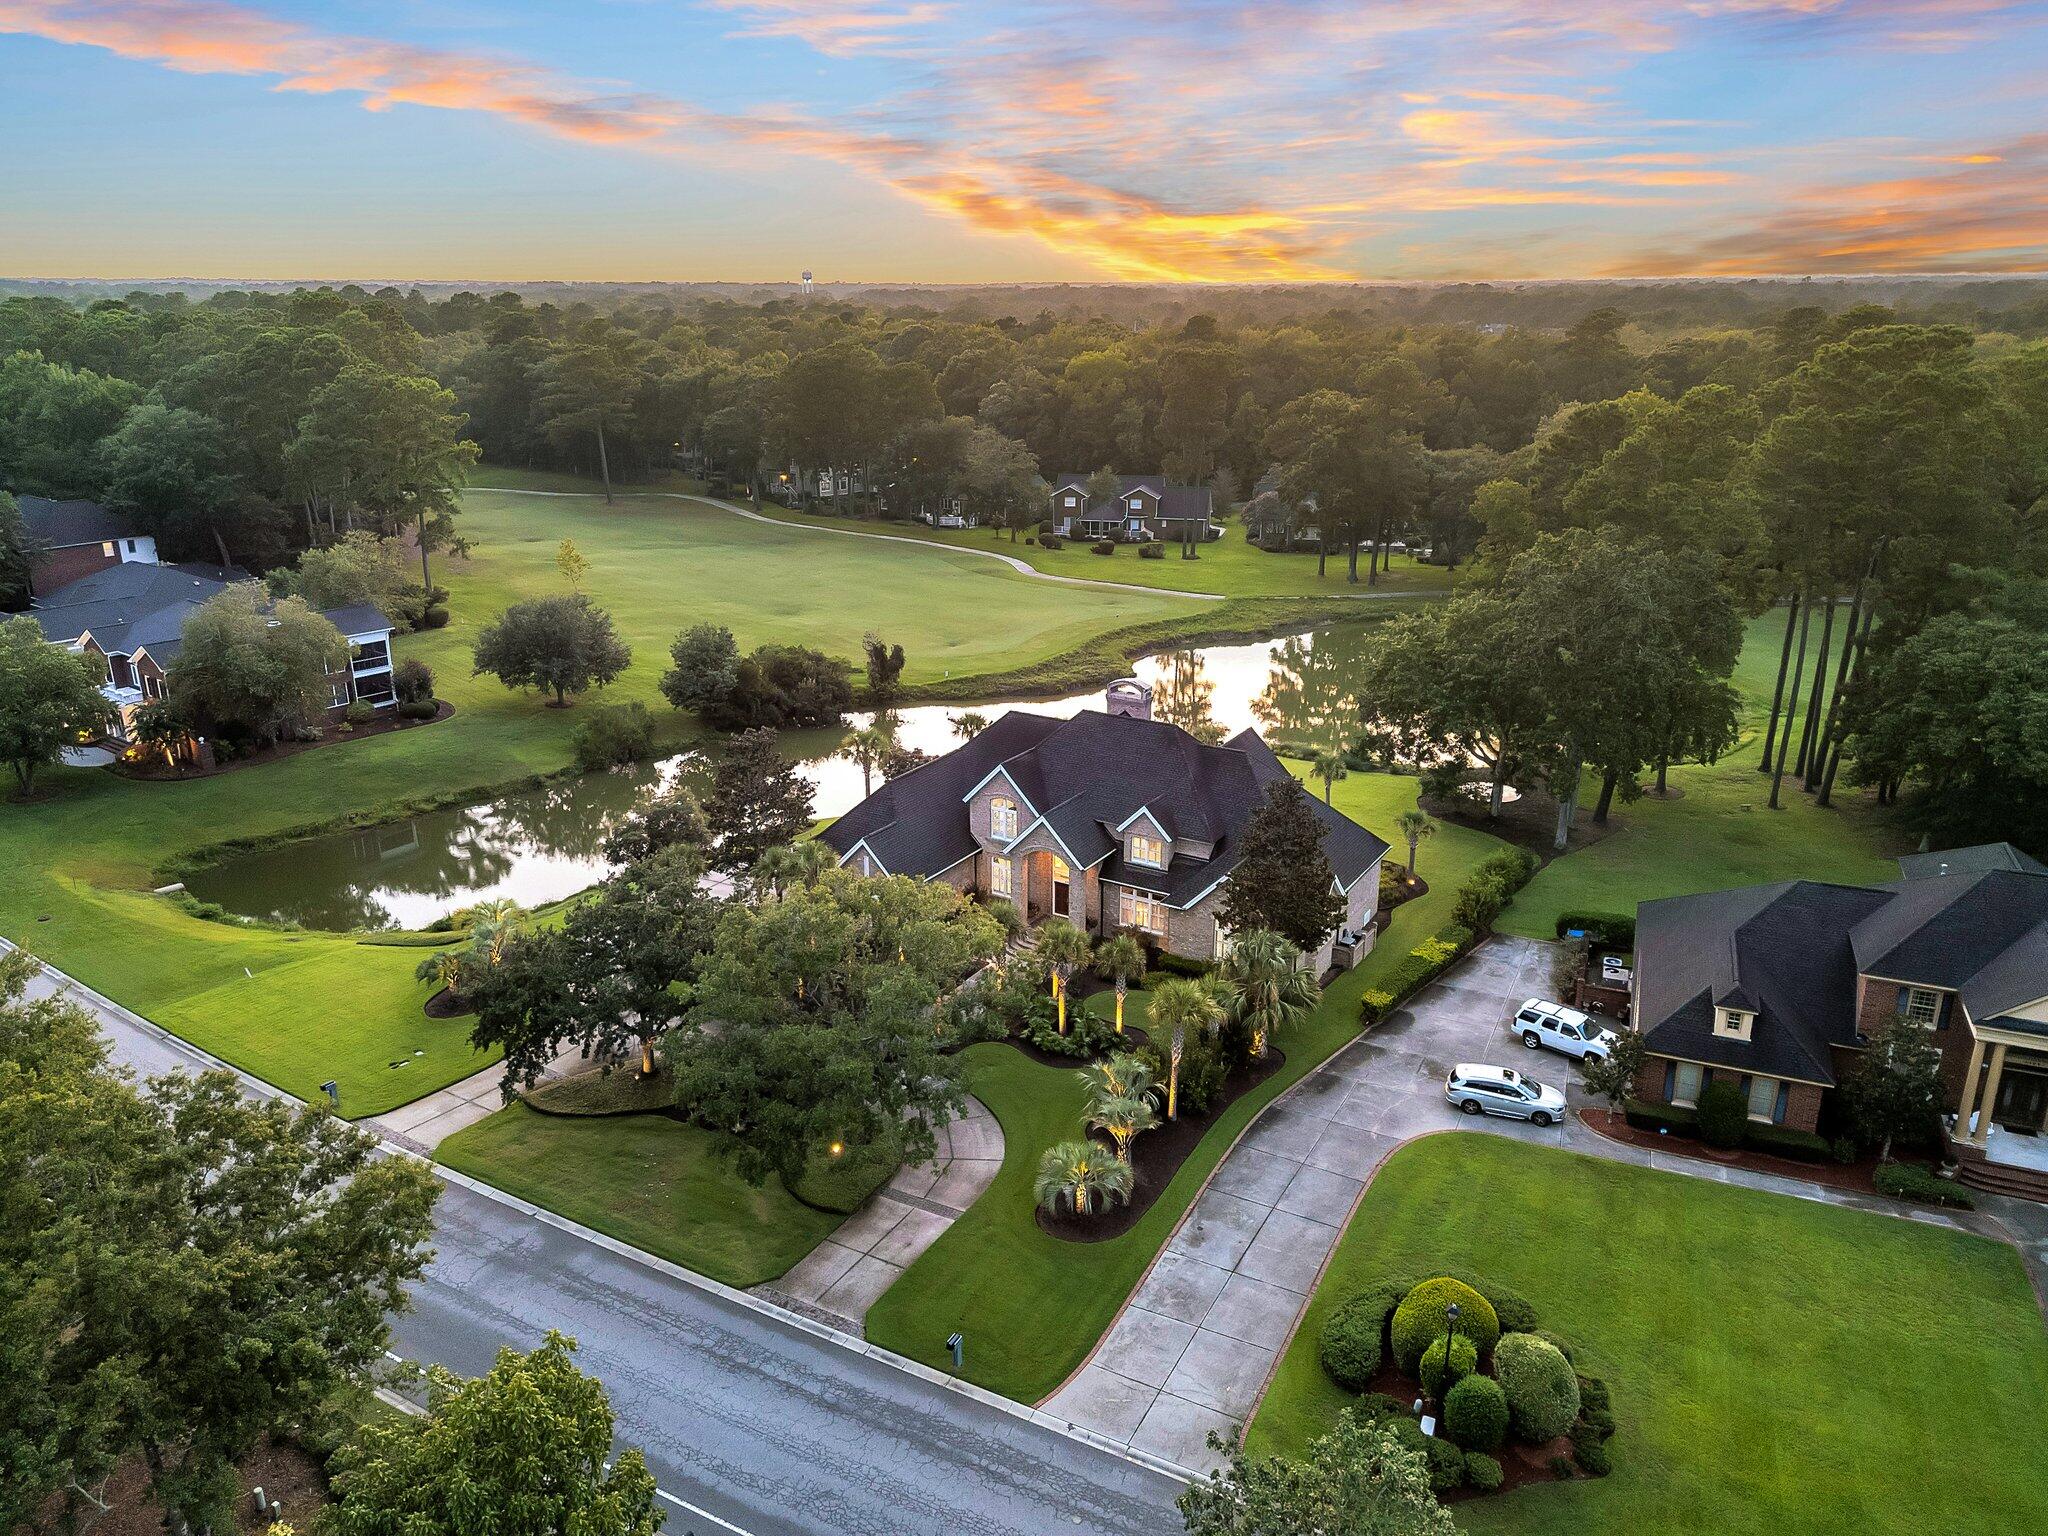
1148, 850
1137, 503
1073, 501
1763, 1098
1733, 1023
1002, 877
1685, 1084
1136, 909
1002, 818
1922, 1006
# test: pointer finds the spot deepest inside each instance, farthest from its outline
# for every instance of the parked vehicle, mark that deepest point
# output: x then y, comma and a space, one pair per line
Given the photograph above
1479, 1089
1565, 1030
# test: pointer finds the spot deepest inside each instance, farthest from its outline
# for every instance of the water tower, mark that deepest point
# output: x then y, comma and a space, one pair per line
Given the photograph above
807, 282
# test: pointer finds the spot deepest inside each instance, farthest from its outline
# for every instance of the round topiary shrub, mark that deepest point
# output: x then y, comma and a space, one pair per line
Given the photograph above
1419, 1320
1350, 1342
1723, 1114
1562, 1346
1435, 1378
1476, 1413
1542, 1392
1483, 1472
1512, 1310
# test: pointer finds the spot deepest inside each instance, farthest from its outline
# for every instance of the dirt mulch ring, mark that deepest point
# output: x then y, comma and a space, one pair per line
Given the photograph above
1156, 1156
281, 1469
447, 1005
1851, 1176
153, 770
1133, 1038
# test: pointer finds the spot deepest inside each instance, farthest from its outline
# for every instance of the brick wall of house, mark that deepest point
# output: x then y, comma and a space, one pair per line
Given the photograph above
1876, 1001
961, 877
60, 567
978, 809
1192, 933
1802, 1103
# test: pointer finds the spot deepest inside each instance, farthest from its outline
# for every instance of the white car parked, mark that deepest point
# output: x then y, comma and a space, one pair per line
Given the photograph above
1565, 1030
1477, 1088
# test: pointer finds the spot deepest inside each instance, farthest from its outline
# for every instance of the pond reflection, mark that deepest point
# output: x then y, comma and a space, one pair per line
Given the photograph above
539, 845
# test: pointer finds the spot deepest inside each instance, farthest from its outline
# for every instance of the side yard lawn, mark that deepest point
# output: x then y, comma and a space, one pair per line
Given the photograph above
1031, 1305
648, 1180
1776, 1365
1718, 830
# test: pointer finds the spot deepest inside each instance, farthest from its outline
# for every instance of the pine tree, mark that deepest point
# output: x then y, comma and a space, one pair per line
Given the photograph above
1283, 880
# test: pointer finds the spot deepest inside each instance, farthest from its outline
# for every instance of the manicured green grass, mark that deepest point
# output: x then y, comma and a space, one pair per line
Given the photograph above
1719, 832
1229, 565
647, 1180
301, 1008
1776, 1365
1034, 1305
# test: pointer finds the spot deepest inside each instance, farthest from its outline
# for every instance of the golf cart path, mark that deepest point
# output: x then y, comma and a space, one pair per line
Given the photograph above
1021, 567
1196, 1344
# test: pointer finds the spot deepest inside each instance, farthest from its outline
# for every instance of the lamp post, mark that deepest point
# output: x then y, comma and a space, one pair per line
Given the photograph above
1450, 1328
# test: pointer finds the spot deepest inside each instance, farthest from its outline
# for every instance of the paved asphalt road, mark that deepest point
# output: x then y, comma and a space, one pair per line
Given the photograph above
749, 1424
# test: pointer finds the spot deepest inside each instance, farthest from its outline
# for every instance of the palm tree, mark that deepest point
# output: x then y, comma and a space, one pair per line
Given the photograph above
1123, 1118
1179, 1007
1080, 1174
1329, 765
1121, 960
1269, 988
490, 928
870, 748
791, 865
968, 724
1415, 826
1122, 1076
444, 969
1064, 949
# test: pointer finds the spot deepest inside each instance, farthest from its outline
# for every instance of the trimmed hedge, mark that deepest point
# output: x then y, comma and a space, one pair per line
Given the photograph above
1153, 551
1435, 1378
1181, 965
1542, 1392
1483, 1472
1789, 1141
1645, 1116
1514, 1311
1910, 1181
1420, 1320
1353, 1334
1422, 965
1476, 1413
1492, 887
1610, 928
1723, 1114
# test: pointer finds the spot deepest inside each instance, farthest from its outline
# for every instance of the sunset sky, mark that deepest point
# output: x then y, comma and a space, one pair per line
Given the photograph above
926, 140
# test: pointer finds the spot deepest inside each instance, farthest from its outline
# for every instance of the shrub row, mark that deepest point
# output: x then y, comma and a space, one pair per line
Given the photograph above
1610, 928
1784, 1140
1492, 887
1422, 965
1910, 1181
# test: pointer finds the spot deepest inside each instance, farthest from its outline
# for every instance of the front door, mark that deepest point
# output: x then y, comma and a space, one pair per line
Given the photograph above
1061, 897
2022, 1103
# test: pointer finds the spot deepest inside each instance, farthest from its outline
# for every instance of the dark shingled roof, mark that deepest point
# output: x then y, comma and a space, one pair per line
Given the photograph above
1174, 500
1967, 861
60, 524
1083, 778
139, 607
1791, 954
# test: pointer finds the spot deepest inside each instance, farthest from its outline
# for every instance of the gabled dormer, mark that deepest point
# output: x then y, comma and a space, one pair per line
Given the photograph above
1139, 504
1146, 844
1734, 1014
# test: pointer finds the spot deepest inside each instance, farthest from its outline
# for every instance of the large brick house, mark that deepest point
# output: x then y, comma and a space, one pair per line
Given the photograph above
132, 617
66, 540
1115, 821
1146, 508
1776, 989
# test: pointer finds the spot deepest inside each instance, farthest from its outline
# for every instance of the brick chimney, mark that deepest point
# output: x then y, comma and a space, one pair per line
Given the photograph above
1129, 696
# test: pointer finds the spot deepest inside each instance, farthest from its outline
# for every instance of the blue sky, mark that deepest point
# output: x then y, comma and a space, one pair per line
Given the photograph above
927, 140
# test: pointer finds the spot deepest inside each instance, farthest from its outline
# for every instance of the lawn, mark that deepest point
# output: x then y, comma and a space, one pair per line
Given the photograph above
1719, 831
1230, 565
1032, 1305
1776, 1364
303, 1008
647, 1180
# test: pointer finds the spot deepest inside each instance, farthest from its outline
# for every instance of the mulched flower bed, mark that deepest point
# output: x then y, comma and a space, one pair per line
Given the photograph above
154, 770
1520, 1462
1156, 1157
1852, 1176
1132, 1039
447, 1005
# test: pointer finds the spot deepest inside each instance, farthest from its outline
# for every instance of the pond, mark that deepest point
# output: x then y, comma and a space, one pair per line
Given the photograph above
539, 845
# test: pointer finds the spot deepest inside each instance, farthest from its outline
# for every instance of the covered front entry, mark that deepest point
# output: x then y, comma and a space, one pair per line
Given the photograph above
1062, 887
1052, 888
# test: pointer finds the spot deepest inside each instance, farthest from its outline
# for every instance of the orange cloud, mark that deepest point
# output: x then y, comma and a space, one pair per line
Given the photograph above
834, 27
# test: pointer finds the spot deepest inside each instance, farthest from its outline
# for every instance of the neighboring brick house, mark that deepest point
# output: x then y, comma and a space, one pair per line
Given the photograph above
1114, 820
133, 618
1776, 988
1146, 508
67, 540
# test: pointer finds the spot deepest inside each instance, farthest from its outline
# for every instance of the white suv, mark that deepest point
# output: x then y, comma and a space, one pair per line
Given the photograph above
1562, 1029
1479, 1089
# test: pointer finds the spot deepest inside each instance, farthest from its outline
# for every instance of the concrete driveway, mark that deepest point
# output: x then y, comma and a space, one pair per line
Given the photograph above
1192, 1351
